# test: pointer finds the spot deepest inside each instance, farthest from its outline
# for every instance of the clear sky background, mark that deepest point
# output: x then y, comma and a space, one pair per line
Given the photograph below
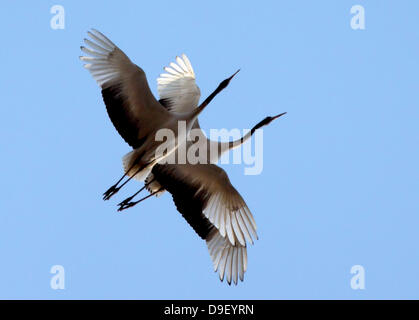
340, 182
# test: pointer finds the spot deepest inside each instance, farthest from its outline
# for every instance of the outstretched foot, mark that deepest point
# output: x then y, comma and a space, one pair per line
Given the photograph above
110, 192
125, 205
125, 202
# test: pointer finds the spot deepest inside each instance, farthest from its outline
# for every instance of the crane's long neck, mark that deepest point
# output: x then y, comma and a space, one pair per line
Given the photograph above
236, 143
223, 84
225, 146
197, 111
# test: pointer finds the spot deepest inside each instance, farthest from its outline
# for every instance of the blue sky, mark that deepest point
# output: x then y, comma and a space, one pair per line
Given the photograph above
340, 180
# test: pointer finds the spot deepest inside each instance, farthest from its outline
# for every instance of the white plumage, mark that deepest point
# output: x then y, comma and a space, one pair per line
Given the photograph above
178, 86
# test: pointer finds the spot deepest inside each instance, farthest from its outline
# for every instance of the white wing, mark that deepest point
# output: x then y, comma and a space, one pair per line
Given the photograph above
131, 106
219, 201
177, 88
203, 194
230, 261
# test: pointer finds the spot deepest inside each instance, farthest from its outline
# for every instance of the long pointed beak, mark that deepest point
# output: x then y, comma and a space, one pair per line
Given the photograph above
277, 116
233, 75
225, 82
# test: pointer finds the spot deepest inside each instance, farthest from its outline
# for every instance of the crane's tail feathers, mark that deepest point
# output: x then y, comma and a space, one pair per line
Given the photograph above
153, 186
128, 162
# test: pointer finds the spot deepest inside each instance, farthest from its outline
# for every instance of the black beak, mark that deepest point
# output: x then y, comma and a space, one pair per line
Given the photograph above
277, 116
233, 75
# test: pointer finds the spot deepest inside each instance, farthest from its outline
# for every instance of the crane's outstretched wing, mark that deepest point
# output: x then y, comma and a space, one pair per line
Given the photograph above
230, 261
178, 93
131, 106
177, 88
205, 197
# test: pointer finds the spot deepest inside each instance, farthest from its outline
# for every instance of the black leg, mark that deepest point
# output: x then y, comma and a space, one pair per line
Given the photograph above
130, 198
131, 204
114, 189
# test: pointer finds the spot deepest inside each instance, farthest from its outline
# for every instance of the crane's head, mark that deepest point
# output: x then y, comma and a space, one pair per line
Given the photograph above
220, 87
225, 82
267, 121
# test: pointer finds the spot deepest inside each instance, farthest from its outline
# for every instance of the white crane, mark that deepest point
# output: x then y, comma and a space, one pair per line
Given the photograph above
132, 108
203, 193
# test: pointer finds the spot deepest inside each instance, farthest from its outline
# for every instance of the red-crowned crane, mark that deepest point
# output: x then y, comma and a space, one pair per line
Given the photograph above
132, 108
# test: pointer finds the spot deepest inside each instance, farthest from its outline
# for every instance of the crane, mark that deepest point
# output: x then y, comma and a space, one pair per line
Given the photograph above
132, 108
